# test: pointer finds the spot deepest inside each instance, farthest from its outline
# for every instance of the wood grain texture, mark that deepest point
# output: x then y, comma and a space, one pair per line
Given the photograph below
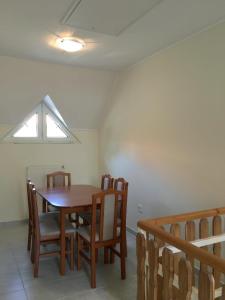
204, 233
206, 286
141, 256
175, 231
71, 196
217, 229
168, 274
190, 235
185, 280
153, 262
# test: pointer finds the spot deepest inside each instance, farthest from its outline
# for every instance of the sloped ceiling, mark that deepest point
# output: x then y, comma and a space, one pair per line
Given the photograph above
80, 94
28, 29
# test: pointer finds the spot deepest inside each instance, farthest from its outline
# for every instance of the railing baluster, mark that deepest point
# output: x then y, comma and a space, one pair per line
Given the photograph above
175, 231
153, 262
185, 280
217, 229
160, 242
141, 256
206, 289
204, 233
168, 274
190, 236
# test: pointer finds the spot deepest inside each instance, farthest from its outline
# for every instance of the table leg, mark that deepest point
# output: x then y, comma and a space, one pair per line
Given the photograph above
62, 242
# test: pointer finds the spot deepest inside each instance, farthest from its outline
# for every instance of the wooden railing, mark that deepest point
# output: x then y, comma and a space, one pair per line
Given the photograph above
180, 257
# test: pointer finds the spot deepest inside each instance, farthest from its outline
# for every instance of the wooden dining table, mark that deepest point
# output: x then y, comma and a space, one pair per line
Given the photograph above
70, 199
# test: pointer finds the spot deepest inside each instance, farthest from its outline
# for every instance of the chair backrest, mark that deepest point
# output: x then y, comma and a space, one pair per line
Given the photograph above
29, 187
120, 184
36, 224
107, 182
58, 179
108, 223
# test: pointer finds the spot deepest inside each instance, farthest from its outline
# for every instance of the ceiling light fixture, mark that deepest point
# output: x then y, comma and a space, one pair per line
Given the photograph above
69, 44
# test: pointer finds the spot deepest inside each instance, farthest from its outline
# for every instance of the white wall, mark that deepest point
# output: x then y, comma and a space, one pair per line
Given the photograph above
165, 128
79, 159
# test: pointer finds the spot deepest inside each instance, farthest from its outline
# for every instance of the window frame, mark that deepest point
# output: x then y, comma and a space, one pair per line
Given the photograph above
42, 109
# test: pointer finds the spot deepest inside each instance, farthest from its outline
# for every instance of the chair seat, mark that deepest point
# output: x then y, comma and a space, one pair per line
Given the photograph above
87, 217
85, 232
49, 226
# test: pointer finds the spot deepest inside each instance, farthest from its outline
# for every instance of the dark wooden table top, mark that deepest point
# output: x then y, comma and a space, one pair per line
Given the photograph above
73, 196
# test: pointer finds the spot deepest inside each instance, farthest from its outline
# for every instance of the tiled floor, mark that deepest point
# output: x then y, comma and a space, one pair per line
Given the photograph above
17, 282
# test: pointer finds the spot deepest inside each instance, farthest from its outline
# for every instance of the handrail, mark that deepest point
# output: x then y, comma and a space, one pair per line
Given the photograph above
153, 226
183, 217
191, 250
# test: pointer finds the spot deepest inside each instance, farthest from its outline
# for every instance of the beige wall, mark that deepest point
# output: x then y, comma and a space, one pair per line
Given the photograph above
79, 159
79, 94
165, 128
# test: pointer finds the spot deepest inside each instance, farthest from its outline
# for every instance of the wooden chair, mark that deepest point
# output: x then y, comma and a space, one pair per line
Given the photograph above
47, 231
42, 216
30, 221
105, 234
106, 184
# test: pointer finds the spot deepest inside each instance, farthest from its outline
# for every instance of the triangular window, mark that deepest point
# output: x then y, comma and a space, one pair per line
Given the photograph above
43, 125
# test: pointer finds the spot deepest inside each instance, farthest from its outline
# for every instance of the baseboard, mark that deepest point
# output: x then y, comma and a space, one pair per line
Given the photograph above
13, 223
132, 231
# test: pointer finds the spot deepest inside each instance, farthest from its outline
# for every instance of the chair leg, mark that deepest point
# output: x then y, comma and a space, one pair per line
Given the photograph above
93, 268
125, 237
72, 252
122, 259
106, 255
44, 206
112, 257
36, 259
29, 237
78, 252
96, 255
77, 221
32, 249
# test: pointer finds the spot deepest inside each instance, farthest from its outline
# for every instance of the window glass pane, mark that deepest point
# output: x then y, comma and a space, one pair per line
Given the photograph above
53, 129
29, 129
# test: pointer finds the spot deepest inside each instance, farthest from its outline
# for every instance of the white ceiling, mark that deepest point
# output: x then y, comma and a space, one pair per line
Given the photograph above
28, 28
